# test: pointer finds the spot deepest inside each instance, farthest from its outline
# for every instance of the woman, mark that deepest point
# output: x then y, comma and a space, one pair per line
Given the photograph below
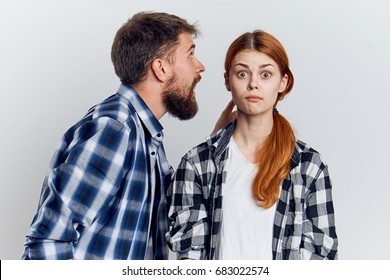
252, 190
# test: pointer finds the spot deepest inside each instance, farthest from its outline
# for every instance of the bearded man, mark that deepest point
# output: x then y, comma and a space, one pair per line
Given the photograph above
104, 194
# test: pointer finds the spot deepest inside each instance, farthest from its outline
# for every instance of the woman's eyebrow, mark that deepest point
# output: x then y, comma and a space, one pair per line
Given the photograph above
261, 66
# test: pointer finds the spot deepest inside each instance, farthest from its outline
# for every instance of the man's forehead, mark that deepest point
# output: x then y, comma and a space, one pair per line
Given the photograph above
186, 39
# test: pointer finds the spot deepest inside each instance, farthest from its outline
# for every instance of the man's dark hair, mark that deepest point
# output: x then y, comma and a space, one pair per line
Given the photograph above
143, 38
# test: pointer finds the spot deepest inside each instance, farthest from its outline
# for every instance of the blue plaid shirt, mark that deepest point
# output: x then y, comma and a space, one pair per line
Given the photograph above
104, 194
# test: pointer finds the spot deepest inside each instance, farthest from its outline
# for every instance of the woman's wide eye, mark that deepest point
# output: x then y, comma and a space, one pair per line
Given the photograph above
266, 75
242, 74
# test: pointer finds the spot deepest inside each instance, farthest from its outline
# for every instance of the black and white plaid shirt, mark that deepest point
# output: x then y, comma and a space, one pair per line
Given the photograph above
304, 225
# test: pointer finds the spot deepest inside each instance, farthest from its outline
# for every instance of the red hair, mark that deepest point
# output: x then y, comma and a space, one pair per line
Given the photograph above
275, 154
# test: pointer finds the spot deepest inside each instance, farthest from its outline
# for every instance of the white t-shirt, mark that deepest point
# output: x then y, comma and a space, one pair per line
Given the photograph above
246, 229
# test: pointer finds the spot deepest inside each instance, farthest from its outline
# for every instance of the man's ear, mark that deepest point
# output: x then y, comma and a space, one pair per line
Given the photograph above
161, 69
227, 83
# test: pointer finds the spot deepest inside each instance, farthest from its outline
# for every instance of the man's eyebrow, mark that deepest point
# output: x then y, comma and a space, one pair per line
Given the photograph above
191, 48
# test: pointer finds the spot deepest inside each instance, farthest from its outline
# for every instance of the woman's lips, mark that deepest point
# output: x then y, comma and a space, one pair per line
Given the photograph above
253, 98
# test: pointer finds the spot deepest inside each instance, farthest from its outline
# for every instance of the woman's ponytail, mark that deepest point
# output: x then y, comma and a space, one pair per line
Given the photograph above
274, 161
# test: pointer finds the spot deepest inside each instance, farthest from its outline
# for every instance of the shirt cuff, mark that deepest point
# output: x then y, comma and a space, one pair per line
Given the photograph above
48, 251
192, 254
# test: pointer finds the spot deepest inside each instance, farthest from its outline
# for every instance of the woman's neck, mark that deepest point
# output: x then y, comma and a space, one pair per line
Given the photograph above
250, 133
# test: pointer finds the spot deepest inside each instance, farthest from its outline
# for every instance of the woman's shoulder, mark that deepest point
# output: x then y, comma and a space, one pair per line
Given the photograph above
303, 147
198, 151
308, 165
305, 153
213, 145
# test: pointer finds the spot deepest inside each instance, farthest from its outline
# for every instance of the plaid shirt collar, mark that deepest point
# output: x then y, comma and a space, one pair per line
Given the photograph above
220, 140
145, 114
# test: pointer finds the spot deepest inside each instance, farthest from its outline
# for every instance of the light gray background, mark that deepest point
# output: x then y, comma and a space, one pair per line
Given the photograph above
55, 64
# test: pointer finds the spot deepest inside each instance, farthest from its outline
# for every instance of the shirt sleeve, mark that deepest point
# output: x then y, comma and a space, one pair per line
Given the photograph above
189, 229
319, 240
85, 175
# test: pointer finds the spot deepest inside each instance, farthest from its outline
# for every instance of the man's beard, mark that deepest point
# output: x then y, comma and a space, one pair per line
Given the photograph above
180, 100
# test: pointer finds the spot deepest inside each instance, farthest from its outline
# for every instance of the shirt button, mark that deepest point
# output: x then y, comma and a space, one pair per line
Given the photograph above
158, 134
153, 153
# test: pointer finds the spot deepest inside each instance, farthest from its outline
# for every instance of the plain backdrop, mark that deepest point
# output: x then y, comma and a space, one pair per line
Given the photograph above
55, 64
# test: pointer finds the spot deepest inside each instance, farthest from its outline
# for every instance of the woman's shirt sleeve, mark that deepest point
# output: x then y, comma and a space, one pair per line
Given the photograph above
189, 228
319, 240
